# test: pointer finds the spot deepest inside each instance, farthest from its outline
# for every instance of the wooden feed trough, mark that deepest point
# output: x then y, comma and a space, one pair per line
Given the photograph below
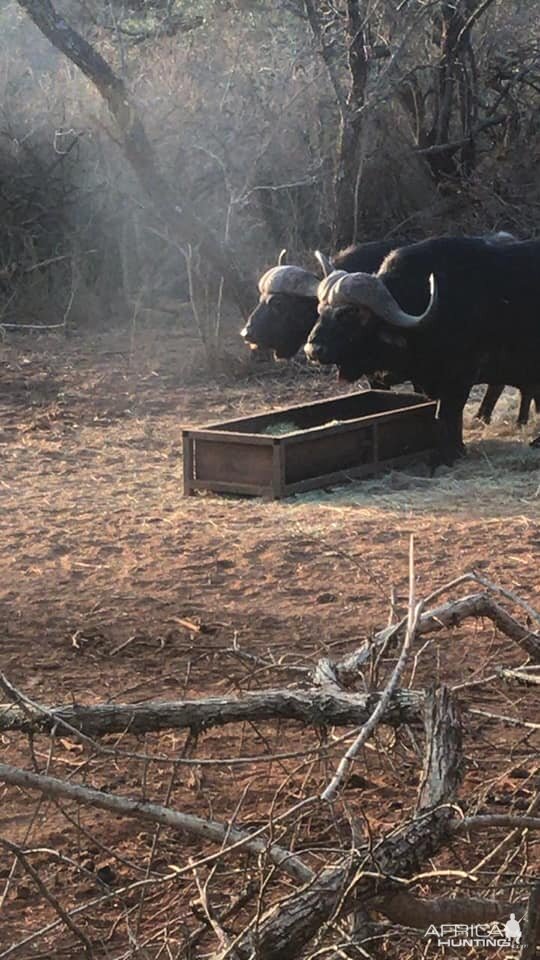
293, 449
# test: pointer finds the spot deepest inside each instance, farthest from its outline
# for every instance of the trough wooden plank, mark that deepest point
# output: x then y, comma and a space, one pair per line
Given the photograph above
230, 461
355, 473
389, 402
226, 459
222, 486
346, 425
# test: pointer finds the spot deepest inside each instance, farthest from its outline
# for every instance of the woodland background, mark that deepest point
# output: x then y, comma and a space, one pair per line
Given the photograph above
297, 124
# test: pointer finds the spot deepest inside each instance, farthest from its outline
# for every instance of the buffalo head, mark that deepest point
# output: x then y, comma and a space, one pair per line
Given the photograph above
286, 311
361, 327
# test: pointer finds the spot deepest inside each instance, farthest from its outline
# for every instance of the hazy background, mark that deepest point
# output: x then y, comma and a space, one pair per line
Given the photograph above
241, 110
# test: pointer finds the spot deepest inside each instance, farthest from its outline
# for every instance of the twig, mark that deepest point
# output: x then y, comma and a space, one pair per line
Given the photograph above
13, 848
205, 903
414, 611
512, 721
519, 676
533, 808
496, 820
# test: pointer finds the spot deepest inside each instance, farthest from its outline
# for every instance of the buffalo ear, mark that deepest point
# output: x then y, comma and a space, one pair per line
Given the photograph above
394, 339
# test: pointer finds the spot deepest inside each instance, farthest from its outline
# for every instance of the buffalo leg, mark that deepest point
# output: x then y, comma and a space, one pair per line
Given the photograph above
491, 397
451, 444
524, 406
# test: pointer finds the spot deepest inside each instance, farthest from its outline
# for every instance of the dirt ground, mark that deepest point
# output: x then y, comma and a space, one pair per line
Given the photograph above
102, 559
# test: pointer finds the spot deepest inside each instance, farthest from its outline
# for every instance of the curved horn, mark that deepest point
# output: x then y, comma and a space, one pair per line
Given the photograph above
500, 238
282, 257
369, 291
327, 285
292, 280
325, 263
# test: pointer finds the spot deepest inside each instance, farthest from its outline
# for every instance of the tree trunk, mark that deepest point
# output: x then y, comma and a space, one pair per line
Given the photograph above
310, 707
347, 167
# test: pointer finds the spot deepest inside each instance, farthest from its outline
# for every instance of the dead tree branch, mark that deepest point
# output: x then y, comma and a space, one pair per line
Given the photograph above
419, 913
311, 707
342, 771
156, 813
287, 928
447, 616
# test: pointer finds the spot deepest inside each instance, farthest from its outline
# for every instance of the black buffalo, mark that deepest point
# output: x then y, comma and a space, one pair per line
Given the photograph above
287, 308
479, 322
287, 311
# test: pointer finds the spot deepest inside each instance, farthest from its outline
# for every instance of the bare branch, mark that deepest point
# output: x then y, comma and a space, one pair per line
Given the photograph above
286, 929
469, 824
419, 913
315, 24
155, 813
46, 893
313, 707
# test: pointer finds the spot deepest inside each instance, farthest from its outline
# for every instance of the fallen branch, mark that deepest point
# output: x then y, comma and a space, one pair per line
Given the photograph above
419, 913
156, 813
488, 822
288, 927
446, 616
518, 676
313, 707
478, 605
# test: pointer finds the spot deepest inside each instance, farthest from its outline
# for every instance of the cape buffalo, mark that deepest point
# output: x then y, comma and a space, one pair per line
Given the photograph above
446, 313
287, 308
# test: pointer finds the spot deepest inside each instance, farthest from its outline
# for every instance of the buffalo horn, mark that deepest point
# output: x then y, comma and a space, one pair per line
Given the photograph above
282, 257
325, 263
291, 280
367, 290
327, 285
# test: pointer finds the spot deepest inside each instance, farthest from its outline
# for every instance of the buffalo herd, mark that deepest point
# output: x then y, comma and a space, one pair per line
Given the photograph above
444, 313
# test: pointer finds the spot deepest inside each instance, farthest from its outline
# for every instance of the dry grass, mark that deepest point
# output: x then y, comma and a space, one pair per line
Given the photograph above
499, 473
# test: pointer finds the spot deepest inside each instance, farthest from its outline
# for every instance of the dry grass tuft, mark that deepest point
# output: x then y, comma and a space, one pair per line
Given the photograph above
499, 471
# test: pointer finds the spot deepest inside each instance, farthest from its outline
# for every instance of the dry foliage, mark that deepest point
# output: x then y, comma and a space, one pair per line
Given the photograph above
244, 114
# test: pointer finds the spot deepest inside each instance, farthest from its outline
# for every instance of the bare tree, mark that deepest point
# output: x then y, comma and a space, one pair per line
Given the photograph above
136, 145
